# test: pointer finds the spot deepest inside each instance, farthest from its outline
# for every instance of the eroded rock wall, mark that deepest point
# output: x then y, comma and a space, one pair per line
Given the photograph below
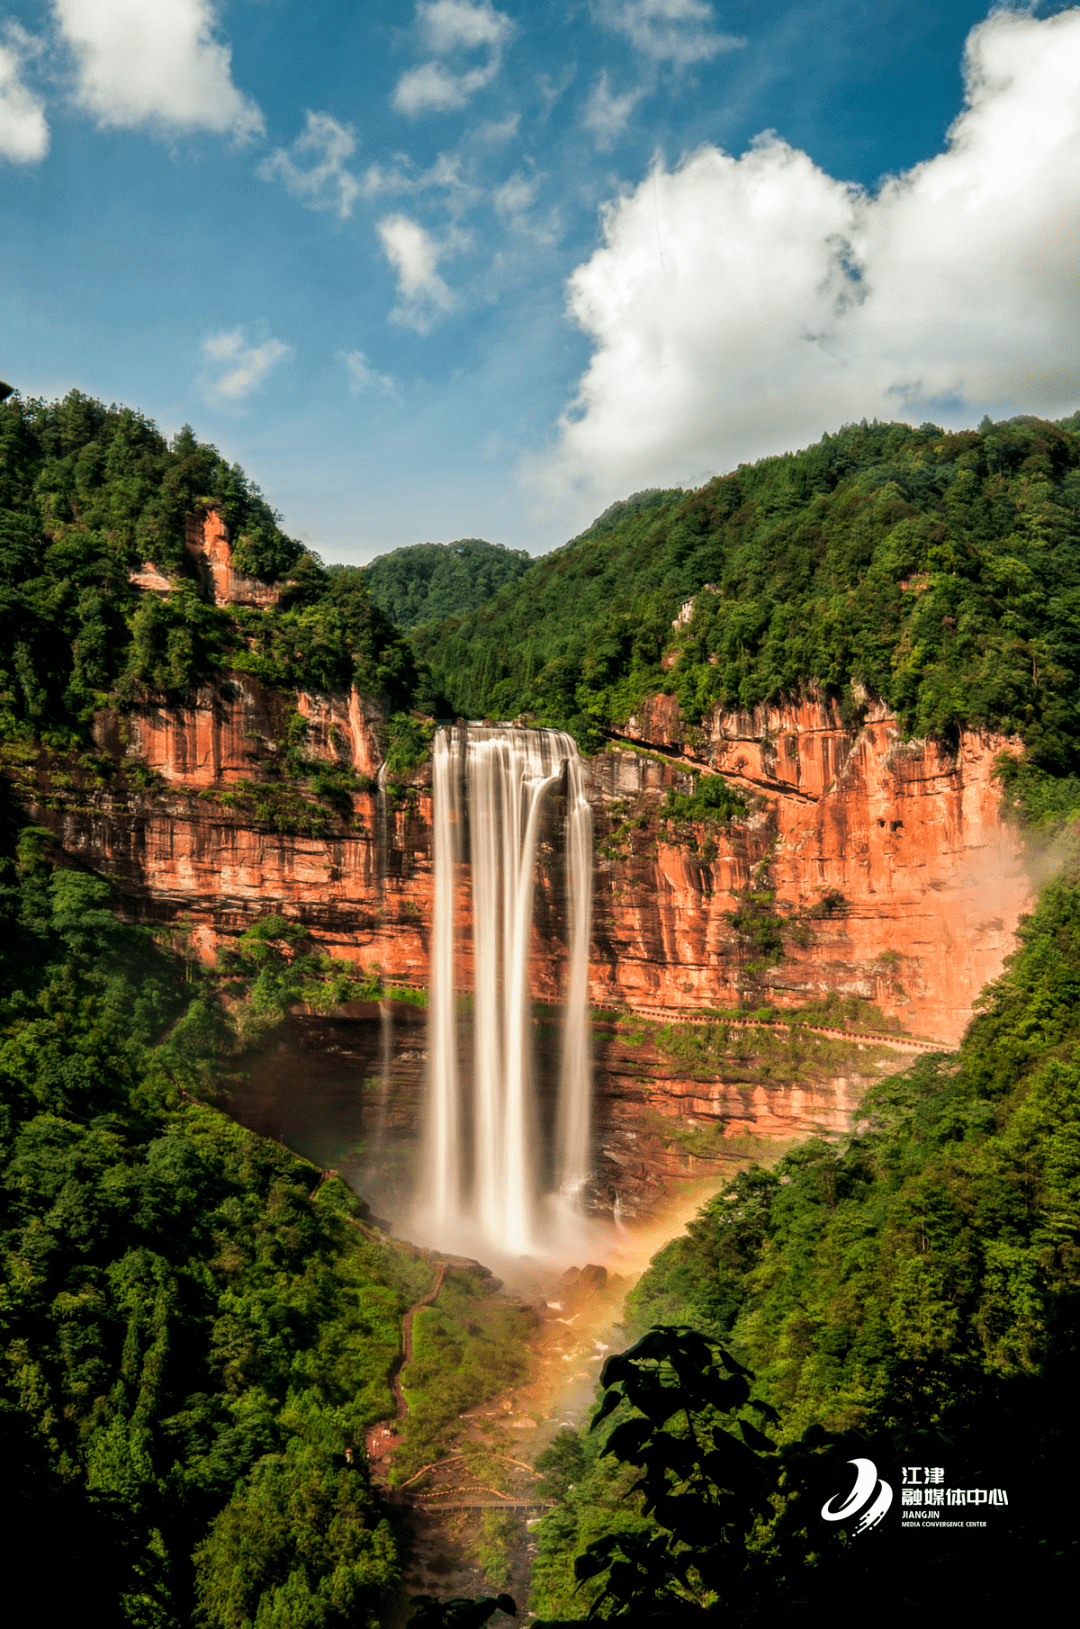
870, 866
895, 876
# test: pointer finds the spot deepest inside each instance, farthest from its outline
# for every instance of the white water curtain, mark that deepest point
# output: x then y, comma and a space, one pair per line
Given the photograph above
506, 776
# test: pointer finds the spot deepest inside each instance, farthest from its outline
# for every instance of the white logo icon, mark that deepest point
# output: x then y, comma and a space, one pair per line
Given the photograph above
867, 1484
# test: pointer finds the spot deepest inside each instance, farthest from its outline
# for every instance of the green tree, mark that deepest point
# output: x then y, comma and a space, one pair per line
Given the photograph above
427, 582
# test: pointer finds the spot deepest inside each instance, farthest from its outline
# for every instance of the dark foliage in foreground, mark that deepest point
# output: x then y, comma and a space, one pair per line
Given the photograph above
726, 1522
915, 1289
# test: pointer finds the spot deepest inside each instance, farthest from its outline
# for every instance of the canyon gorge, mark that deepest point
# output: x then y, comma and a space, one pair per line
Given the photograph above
864, 866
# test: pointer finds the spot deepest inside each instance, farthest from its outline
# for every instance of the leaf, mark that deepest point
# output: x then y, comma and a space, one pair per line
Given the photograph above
596, 1558
756, 1439
627, 1441
608, 1406
626, 1579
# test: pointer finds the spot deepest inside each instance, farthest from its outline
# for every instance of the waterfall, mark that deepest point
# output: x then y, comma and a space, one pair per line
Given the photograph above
485, 1160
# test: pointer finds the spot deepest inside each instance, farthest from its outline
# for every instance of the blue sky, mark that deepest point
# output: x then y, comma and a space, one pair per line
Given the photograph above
474, 269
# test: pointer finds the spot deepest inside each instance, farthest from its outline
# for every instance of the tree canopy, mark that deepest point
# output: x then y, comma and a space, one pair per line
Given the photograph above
427, 582
191, 1341
940, 572
919, 1279
88, 494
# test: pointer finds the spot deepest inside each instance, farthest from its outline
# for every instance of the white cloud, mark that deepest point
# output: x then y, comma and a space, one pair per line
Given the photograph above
496, 132
237, 368
514, 200
320, 180
451, 25
415, 254
551, 90
24, 132
448, 27
155, 63
444, 175
675, 31
362, 375
606, 115
743, 306
516, 194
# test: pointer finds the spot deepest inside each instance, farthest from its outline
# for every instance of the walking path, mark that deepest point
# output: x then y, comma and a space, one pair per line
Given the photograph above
900, 1043
667, 1015
406, 1337
490, 1504
381, 1438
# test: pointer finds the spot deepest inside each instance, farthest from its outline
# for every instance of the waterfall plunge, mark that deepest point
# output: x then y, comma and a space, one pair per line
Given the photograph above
492, 1200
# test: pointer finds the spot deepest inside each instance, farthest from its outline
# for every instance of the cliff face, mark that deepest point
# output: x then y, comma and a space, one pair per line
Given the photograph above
206, 540
894, 876
866, 866
199, 819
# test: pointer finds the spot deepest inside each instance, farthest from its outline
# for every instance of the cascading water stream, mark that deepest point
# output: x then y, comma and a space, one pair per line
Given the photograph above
502, 777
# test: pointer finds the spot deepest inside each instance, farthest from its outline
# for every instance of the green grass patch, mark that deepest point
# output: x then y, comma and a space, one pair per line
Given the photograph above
467, 1347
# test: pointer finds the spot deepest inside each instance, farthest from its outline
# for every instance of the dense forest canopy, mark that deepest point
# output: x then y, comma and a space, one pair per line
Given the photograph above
428, 582
190, 1340
939, 571
87, 494
650, 497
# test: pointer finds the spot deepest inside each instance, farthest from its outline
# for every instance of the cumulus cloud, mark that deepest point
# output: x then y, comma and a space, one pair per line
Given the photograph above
450, 25
313, 168
606, 114
236, 368
450, 28
155, 63
414, 254
743, 306
675, 31
24, 132
362, 375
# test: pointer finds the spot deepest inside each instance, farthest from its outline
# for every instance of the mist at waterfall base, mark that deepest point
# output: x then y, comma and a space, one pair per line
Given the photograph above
503, 1169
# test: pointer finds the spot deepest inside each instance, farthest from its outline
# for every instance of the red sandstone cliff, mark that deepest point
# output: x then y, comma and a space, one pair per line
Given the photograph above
206, 540
867, 866
894, 876
891, 873
901, 882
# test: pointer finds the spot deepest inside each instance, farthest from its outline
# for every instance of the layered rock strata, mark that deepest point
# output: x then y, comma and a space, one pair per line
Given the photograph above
865, 866
894, 874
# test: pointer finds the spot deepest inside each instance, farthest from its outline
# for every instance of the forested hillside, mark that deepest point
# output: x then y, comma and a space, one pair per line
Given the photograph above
428, 582
193, 1331
87, 493
939, 571
195, 1328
